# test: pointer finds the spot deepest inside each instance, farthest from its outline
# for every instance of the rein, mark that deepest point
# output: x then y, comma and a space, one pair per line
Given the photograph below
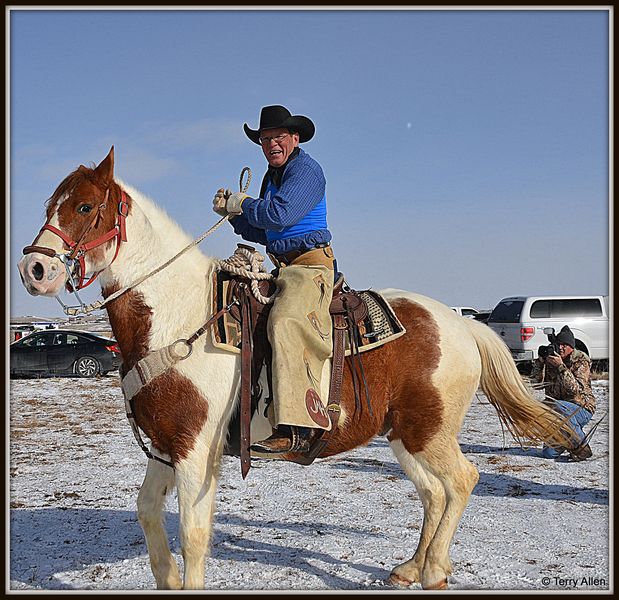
78, 249
99, 304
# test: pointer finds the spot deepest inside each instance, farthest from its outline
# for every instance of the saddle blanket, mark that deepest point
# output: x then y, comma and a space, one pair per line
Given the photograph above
379, 327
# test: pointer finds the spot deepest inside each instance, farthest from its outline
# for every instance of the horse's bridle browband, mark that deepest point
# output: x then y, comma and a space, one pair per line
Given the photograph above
78, 249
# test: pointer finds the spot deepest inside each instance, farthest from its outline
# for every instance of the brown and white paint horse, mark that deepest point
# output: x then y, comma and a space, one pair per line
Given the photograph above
421, 384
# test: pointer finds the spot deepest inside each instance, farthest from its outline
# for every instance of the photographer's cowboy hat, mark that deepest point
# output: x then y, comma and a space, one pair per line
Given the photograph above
274, 117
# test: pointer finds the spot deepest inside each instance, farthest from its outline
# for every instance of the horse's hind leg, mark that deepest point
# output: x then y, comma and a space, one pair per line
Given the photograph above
159, 480
442, 460
432, 495
459, 476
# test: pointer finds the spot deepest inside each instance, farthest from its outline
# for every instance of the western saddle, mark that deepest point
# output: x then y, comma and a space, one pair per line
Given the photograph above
348, 309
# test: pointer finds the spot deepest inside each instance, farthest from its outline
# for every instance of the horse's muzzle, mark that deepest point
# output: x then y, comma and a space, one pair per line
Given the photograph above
41, 274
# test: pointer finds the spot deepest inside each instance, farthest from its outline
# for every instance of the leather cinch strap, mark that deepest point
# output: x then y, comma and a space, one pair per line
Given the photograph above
246, 360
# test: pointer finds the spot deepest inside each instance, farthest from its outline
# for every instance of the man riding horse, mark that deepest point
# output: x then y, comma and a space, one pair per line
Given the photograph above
290, 219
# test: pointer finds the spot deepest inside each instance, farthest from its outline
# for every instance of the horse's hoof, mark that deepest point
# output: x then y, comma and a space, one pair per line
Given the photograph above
399, 581
439, 585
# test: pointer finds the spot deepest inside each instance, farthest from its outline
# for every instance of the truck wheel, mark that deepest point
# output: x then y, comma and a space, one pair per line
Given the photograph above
580, 346
524, 367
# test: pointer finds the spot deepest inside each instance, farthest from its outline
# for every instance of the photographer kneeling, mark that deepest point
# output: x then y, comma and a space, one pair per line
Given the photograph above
567, 372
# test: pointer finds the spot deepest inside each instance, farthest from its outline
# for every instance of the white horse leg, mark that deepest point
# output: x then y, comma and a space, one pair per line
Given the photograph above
443, 458
196, 482
432, 495
159, 480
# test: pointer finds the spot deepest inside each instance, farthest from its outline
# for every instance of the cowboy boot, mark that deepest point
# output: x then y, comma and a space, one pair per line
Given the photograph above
287, 438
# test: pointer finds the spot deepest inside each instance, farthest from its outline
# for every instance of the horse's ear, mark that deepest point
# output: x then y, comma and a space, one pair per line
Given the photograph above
105, 169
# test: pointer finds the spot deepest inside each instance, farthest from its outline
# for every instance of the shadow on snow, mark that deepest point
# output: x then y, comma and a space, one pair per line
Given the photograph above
58, 546
491, 484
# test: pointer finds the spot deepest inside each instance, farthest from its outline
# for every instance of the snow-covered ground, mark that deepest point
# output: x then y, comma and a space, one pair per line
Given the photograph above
339, 524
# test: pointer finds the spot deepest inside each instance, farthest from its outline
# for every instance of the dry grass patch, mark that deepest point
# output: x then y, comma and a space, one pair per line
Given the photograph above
513, 468
599, 375
29, 424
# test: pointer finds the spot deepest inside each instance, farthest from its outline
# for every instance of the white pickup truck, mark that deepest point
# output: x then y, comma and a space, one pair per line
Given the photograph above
465, 311
520, 321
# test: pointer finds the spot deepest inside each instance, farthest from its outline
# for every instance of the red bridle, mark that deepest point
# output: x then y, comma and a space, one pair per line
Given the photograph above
77, 249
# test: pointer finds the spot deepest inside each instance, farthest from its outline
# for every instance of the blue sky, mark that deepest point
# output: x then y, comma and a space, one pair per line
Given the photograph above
465, 151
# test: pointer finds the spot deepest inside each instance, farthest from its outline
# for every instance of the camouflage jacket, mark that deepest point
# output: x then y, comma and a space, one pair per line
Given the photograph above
571, 381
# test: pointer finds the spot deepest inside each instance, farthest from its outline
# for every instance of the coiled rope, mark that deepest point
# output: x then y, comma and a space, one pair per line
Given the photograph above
246, 262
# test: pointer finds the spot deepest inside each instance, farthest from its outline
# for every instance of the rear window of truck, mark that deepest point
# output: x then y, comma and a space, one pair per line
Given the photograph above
557, 309
506, 311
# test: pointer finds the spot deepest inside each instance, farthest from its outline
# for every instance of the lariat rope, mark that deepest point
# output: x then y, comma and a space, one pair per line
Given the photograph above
72, 310
247, 263
99, 304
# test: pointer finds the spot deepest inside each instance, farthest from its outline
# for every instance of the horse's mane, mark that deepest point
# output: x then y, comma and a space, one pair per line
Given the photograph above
158, 217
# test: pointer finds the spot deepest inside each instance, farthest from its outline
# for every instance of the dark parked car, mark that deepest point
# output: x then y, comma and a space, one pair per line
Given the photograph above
64, 352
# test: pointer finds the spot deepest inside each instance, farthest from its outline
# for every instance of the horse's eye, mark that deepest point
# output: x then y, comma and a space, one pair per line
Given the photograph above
84, 208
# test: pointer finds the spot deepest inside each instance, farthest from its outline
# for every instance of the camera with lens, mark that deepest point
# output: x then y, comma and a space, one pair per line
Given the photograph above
551, 349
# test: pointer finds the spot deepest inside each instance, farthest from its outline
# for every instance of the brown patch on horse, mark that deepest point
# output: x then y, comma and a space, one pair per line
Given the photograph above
131, 321
172, 412
399, 377
170, 409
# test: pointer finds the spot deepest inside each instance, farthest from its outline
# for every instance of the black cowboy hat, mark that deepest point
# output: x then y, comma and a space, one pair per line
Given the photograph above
274, 117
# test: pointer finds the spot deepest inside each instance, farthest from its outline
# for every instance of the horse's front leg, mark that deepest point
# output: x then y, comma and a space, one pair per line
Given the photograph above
196, 482
158, 482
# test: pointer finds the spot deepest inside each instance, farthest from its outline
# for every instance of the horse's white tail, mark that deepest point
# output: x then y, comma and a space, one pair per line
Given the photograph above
525, 417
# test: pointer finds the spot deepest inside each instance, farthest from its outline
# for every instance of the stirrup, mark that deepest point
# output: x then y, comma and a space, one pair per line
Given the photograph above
286, 439
279, 442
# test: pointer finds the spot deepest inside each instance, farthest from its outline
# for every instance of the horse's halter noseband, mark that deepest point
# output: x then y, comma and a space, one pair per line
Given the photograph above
74, 258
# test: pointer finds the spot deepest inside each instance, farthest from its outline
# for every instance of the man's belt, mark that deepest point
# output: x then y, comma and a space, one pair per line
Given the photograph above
288, 257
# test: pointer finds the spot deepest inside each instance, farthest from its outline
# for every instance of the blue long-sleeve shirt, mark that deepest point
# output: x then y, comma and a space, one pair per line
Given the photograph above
292, 214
